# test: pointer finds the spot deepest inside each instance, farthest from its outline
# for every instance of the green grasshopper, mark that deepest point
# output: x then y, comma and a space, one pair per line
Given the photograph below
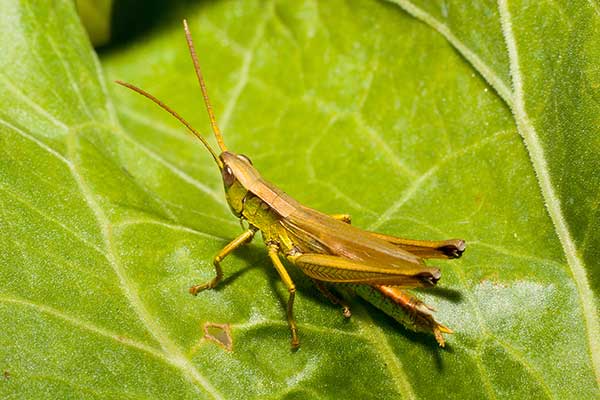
327, 248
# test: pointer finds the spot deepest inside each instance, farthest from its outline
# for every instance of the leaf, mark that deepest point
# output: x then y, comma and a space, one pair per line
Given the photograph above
551, 54
109, 212
95, 16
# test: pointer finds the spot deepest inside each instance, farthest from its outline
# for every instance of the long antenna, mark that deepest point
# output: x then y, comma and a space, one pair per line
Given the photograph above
211, 114
173, 113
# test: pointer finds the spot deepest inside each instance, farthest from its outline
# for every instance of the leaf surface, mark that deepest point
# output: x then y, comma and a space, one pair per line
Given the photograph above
109, 212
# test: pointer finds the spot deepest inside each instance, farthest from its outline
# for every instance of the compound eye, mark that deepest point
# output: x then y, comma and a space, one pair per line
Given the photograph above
228, 177
245, 158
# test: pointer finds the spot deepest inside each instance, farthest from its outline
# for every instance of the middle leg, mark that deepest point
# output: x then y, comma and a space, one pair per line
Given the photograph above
287, 280
333, 298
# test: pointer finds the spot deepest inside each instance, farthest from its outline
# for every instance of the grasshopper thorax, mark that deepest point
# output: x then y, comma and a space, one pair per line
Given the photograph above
238, 178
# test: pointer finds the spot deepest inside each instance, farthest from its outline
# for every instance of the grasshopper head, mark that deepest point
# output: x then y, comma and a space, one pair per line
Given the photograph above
238, 178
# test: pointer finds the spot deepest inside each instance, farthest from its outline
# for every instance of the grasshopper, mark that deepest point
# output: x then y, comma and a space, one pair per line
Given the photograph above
327, 248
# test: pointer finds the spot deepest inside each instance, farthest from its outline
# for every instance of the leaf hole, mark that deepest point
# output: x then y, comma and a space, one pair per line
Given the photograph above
219, 334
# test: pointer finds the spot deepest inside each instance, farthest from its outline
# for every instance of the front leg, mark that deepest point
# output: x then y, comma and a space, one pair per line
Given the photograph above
234, 244
287, 280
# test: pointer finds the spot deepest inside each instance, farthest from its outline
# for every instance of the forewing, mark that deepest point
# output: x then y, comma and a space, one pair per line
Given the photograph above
324, 234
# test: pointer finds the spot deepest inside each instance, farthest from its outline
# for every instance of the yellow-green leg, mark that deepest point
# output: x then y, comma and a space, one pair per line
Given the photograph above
234, 244
287, 280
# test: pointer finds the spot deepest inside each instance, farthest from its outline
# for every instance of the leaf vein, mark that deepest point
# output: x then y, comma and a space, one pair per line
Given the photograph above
50, 219
175, 170
414, 188
540, 166
380, 343
488, 74
168, 225
521, 359
170, 349
484, 332
87, 325
65, 66
34, 106
244, 73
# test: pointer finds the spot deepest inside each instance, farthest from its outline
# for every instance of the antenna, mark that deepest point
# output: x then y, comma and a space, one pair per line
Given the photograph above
211, 114
173, 113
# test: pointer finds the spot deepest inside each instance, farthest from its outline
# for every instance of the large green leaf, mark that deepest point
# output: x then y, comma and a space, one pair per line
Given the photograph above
542, 59
109, 212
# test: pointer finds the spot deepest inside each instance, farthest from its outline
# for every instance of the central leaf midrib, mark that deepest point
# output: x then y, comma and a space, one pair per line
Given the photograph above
552, 201
529, 135
172, 352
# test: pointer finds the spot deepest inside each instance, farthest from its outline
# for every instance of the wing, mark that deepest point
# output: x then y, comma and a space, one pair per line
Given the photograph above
322, 234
